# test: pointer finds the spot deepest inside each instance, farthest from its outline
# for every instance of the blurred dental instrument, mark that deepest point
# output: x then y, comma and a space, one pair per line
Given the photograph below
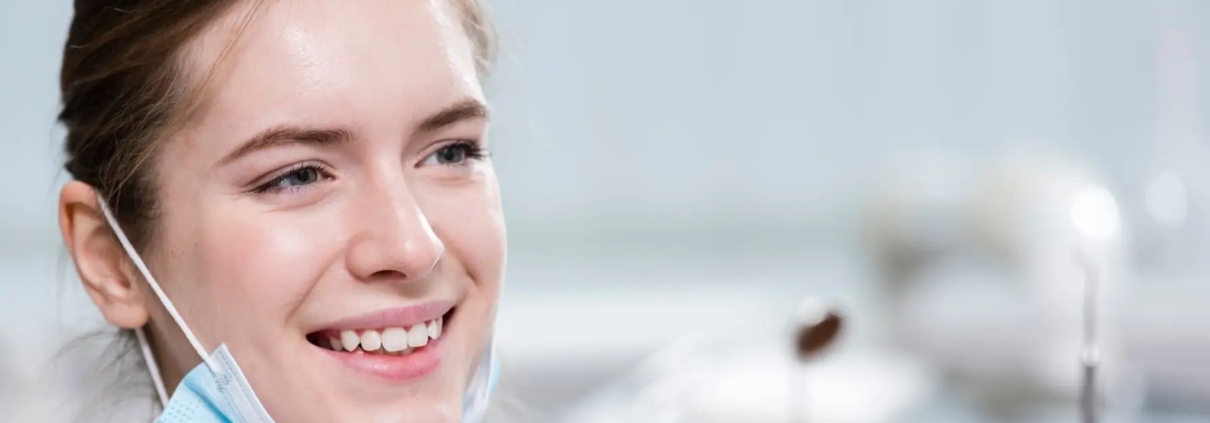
1088, 352
816, 328
978, 275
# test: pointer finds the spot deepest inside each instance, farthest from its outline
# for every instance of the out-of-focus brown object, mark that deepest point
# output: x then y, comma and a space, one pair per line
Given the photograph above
818, 327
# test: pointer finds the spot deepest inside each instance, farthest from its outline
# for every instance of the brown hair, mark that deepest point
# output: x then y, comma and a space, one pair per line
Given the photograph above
123, 90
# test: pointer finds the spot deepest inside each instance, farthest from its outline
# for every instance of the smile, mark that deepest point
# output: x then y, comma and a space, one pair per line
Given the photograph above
389, 341
396, 344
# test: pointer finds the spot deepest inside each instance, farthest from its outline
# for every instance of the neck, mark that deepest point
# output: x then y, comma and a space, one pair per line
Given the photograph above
173, 360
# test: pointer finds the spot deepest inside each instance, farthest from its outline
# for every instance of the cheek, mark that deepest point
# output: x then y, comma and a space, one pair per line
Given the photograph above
258, 265
470, 223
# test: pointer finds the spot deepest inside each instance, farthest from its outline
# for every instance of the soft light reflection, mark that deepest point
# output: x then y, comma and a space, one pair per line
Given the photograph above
1095, 213
1167, 199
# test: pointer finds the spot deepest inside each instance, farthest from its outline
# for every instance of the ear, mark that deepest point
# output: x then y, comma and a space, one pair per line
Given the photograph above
107, 273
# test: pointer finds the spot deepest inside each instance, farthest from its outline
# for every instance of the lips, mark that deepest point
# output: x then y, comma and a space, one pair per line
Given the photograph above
395, 344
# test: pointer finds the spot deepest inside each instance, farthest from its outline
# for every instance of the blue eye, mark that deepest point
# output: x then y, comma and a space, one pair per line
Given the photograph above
300, 177
455, 154
451, 154
296, 177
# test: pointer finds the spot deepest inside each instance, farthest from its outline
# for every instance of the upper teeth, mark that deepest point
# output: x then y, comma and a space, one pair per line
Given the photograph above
392, 340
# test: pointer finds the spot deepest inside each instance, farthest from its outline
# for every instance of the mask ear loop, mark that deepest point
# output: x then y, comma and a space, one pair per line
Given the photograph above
155, 286
483, 384
152, 366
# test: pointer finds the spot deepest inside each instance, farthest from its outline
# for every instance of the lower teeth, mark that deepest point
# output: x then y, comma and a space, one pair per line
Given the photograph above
382, 351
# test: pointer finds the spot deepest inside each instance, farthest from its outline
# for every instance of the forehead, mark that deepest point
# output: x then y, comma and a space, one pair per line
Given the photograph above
331, 62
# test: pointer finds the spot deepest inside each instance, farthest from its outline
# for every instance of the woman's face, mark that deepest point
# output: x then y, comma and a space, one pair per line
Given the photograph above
332, 192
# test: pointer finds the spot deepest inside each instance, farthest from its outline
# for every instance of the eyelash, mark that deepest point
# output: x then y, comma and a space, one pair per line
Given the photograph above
471, 150
273, 185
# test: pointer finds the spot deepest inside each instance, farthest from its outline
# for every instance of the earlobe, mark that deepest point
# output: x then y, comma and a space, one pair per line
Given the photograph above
104, 268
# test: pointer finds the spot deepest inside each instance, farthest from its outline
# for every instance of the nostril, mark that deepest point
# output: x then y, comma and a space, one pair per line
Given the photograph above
389, 275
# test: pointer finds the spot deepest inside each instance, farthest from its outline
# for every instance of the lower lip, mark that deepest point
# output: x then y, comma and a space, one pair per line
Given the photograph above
416, 365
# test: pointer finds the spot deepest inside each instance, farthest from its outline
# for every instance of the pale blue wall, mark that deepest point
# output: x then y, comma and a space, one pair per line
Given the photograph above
637, 113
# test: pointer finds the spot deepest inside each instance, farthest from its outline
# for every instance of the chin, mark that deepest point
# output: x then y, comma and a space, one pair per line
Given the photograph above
419, 407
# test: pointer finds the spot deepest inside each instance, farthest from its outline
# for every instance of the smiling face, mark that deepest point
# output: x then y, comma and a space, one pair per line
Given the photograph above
333, 191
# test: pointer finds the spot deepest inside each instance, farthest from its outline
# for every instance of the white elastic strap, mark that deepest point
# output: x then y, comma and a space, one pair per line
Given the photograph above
155, 286
152, 366
481, 386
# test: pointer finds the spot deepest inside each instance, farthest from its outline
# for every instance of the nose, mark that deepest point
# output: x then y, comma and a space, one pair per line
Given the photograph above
394, 241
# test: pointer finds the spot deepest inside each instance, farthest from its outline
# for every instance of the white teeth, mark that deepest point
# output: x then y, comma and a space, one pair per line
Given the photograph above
349, 339
394, 339
370, 341
418, 336
434, 328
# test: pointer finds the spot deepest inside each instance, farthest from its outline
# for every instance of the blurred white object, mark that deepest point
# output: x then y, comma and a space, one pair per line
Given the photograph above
1095, 214
999, 303
1035, 212
850, 388
711, 381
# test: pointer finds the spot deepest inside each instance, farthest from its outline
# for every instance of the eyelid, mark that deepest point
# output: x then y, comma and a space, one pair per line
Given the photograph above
476, 149
286, 170
449, 142
262, 184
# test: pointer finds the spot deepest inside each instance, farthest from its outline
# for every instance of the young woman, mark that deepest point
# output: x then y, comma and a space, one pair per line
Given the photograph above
288, 203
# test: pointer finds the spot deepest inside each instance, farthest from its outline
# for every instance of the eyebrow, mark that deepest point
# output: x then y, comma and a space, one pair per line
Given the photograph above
460, 111
284, 135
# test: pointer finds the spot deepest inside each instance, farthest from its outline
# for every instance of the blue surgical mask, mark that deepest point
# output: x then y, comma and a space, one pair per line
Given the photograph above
216, 391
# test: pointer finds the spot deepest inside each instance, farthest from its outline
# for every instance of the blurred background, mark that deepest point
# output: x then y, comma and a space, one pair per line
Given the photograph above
679, 175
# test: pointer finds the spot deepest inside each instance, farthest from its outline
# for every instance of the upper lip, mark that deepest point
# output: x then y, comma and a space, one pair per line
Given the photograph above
394, 317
